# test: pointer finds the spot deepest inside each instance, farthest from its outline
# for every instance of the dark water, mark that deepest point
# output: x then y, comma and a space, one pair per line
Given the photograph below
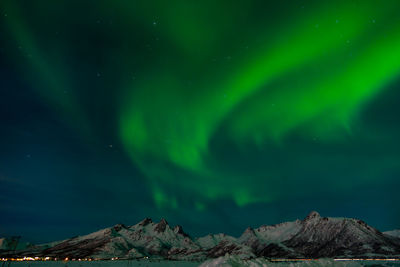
148, 263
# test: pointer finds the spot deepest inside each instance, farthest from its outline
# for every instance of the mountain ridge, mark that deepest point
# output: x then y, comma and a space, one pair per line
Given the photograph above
312, 237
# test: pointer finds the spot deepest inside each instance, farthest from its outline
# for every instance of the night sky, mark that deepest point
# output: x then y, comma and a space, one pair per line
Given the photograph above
216, 115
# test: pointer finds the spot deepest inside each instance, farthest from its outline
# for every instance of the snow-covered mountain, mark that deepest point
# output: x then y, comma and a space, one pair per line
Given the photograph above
315, 237
7, 244
393, 233
143, 239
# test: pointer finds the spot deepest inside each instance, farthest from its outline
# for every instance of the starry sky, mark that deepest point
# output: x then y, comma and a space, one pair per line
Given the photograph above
216, 115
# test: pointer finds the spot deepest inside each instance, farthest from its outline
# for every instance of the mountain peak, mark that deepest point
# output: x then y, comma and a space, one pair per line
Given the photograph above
118, 227
312, 215
161, 226
249, 230
179, 230
145, 222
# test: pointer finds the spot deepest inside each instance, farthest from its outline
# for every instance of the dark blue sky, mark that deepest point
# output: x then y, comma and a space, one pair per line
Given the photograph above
113, 112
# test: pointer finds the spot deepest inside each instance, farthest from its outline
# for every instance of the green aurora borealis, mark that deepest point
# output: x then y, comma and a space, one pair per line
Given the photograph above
218, 106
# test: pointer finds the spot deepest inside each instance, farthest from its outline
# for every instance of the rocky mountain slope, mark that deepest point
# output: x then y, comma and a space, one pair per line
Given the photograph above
313, 237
